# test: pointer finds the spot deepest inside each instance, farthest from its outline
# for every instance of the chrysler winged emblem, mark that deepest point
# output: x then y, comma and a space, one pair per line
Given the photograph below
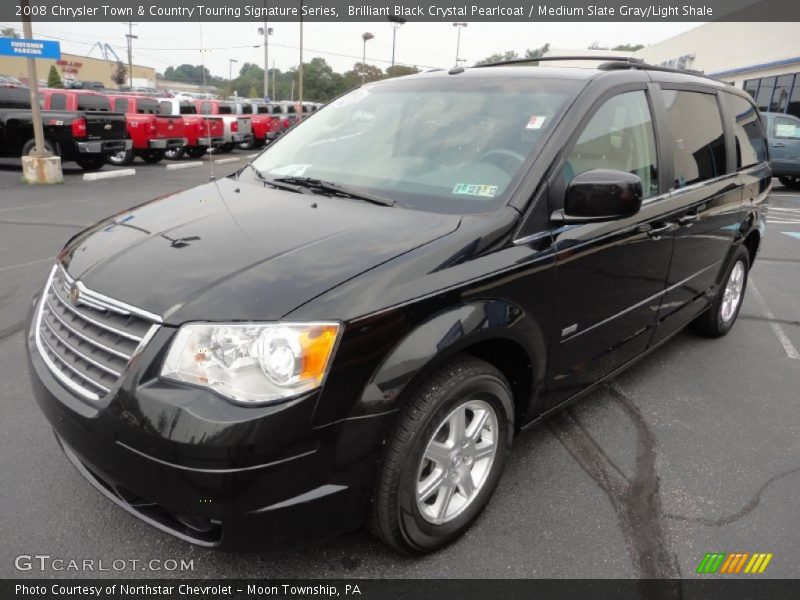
74, 294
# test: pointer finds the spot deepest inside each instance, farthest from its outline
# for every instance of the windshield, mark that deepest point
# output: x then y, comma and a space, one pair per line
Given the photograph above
444, 144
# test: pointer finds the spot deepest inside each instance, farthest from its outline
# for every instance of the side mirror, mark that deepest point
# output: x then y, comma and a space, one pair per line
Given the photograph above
601, 195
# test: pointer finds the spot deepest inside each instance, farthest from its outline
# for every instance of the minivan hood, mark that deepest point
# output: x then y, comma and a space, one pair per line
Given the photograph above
234, 250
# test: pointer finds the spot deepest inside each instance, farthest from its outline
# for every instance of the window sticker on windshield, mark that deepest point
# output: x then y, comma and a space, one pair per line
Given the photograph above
474, 189
291, 170
352, 98
535, 122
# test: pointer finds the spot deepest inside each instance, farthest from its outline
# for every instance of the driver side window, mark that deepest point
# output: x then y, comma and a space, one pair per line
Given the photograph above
619, 136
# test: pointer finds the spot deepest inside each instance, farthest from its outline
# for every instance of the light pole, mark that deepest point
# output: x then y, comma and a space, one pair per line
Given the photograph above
300, 71
458, 41
130, 38
366, 36
230, 68
395, 23
266, 32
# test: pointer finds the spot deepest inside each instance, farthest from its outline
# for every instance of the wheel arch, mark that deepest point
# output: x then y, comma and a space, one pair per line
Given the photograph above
494, 330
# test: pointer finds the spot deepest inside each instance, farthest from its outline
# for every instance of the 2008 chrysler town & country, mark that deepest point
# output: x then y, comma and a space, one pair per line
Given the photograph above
356, 324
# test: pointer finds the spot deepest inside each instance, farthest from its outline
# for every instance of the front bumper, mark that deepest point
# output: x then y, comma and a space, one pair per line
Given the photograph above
210, 475
210, 141
167, 143
103, 146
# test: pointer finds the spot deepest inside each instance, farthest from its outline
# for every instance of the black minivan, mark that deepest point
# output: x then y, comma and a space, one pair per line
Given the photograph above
354, 327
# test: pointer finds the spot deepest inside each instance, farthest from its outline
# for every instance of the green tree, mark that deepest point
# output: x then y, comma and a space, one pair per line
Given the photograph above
320, 81
9, 32
119, 73
352, 78
498, 57
628, 47
53, 78
400, 70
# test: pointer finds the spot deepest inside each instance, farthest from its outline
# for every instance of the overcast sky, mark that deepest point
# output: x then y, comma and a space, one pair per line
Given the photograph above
422, 44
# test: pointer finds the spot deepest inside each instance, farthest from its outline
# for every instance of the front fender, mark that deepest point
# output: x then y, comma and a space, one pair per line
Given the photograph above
446, 334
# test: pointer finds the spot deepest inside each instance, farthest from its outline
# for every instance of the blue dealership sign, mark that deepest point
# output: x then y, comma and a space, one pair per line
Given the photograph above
29, 48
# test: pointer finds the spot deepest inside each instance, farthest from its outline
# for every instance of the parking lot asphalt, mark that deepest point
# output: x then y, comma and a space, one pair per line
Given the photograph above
695, 449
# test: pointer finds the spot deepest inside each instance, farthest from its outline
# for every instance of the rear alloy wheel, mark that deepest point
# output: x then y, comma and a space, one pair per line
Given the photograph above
718, 319
790, 181
174, 154
121, 158
445, 457
30, 144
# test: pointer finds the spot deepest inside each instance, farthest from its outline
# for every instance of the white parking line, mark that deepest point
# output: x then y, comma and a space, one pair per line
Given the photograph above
222, 161
26, 264
108, 174
252, 155
788, 347
187, 165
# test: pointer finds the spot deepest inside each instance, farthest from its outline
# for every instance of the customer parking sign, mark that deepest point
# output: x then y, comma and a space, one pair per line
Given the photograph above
29, 48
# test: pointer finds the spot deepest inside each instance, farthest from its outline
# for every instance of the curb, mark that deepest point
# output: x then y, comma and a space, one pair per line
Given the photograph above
108, 174
190, 165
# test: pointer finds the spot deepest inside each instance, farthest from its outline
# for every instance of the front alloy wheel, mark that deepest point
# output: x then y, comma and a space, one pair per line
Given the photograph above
457, 461
445, 457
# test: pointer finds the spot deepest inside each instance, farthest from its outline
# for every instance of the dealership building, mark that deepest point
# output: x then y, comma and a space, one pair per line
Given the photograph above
762, 58
78, 68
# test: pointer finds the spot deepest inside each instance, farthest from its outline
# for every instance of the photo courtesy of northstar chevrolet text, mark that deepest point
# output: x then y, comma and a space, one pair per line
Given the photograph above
374, 294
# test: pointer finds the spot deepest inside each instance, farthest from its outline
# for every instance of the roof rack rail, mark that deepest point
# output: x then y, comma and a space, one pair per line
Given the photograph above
620, 64
610, 63
521, 61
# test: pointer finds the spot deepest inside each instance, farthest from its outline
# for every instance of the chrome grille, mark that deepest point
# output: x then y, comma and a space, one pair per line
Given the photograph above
87, 339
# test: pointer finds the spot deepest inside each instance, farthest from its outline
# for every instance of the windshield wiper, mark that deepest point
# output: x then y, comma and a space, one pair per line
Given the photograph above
335, 189
275, 183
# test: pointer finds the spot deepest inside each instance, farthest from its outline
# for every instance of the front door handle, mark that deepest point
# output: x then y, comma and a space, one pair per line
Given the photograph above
659, 231
687, 219
778, 145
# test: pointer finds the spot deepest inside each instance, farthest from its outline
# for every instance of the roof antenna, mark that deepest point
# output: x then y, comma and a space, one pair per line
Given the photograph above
212, 176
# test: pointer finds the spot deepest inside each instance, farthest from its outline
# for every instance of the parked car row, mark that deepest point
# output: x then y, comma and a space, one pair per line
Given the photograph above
80, 133
139, 125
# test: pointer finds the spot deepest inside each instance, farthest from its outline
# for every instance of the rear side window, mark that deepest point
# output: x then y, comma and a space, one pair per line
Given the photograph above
147, 107
15, 98
188, 109
121, 105
696, 136
751, 147
58, 102
620, 137
91, 102
225, 110
247, 109
786, 128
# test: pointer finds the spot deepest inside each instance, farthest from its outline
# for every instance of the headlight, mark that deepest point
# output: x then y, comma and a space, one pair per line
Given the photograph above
252, 363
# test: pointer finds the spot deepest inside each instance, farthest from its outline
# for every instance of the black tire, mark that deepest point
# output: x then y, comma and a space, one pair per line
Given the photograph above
152, 157
790, 181
712, 322
225, 148
29, 145
121, 159
91, 162
394, 515
175, 153
197, 151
